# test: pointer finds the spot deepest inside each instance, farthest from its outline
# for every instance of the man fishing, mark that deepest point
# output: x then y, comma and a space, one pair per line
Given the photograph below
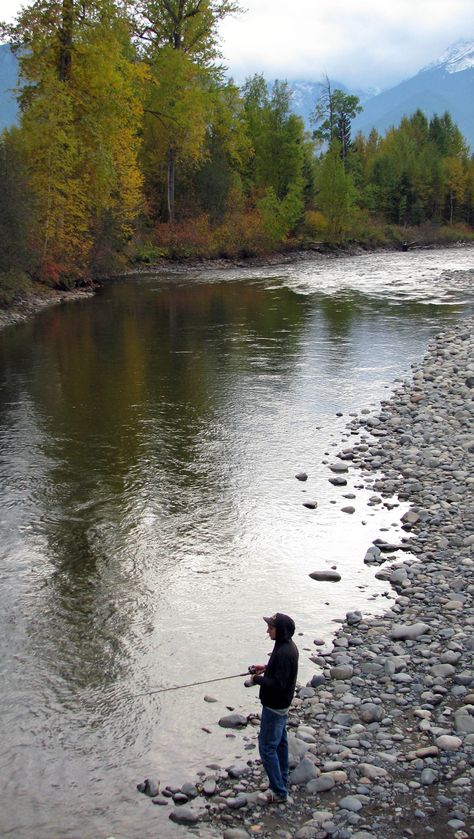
277, 682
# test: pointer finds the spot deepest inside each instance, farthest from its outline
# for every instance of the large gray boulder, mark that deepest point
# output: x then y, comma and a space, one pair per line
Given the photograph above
304, 772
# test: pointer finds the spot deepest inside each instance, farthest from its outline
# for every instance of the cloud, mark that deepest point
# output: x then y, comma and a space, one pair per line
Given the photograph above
371, 42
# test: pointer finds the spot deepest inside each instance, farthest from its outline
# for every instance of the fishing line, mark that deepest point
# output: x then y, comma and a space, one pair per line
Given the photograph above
190, 685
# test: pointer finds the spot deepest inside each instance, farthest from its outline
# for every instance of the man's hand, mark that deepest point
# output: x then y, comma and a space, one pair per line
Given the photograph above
257, 669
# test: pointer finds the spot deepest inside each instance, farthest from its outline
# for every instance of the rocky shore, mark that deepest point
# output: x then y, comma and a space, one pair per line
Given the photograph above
40, 297
382, 738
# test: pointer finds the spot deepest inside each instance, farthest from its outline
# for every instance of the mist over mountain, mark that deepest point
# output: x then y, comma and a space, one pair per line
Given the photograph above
446, 84
305, 94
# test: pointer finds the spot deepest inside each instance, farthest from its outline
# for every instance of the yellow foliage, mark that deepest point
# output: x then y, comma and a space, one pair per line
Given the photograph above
81, 139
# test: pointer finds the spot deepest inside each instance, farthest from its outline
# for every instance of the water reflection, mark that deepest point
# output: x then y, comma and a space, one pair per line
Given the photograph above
149, 441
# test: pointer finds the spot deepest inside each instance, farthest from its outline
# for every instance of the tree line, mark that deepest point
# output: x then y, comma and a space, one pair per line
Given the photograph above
132, 144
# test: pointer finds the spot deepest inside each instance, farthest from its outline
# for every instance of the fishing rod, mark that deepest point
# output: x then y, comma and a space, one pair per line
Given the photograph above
191, 684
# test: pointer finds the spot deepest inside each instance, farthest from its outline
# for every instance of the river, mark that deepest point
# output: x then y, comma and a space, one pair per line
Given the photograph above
150, 515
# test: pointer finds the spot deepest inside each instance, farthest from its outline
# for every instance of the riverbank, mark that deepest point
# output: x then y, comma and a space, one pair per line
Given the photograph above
39, 296
382, 738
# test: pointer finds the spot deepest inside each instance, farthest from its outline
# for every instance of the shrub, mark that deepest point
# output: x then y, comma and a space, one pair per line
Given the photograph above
241, 234
314, 224
147, 253
186, 239
13, 284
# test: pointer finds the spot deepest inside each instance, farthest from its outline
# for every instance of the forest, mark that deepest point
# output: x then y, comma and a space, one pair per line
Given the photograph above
134, 145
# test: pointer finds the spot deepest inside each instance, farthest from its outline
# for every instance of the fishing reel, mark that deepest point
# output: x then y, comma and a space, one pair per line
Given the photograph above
249, 682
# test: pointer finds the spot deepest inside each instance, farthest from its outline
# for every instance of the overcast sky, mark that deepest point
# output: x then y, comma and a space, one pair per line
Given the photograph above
363, 43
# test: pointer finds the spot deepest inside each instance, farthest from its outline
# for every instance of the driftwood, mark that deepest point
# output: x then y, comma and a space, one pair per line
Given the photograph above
404, 246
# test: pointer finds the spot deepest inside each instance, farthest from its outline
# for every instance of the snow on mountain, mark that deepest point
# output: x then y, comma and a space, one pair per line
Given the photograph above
458, 57
447, 84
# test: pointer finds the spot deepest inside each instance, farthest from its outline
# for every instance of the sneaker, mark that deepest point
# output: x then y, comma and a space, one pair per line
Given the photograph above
270, 797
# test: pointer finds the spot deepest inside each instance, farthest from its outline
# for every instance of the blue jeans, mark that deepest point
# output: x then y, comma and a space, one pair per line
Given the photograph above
273, 747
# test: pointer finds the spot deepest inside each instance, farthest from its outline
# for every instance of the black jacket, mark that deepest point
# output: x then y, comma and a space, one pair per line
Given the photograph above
277, 684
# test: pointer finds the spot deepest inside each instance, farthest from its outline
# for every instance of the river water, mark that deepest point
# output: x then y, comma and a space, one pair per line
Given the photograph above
150, 515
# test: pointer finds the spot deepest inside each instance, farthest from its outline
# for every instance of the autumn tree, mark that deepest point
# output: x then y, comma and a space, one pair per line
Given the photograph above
80, 102
180, 44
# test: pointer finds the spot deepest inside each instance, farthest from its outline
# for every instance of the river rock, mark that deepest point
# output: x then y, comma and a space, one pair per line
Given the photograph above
209, 786
368, 770
464, 721
233, 721
301, 476
304, 772
402, 632
370, 712
442, 670
322, 784
338, 467
353, 618
428, 776
350, 802
448, 743
345, 671
326, 576
235, 833
149, 787
184, 815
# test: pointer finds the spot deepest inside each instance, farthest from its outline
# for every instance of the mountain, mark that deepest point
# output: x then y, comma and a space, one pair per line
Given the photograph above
8, 80
305, 94
446, 84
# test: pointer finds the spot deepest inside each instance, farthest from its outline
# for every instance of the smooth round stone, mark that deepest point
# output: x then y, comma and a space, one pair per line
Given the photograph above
184, 815
325, 576
403, 632
442, 670
350, 802
304, 772
370, 712
322, 784
341, 673
368, 770
428, 777
448, 742
233, 721
301, 476
209, 786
